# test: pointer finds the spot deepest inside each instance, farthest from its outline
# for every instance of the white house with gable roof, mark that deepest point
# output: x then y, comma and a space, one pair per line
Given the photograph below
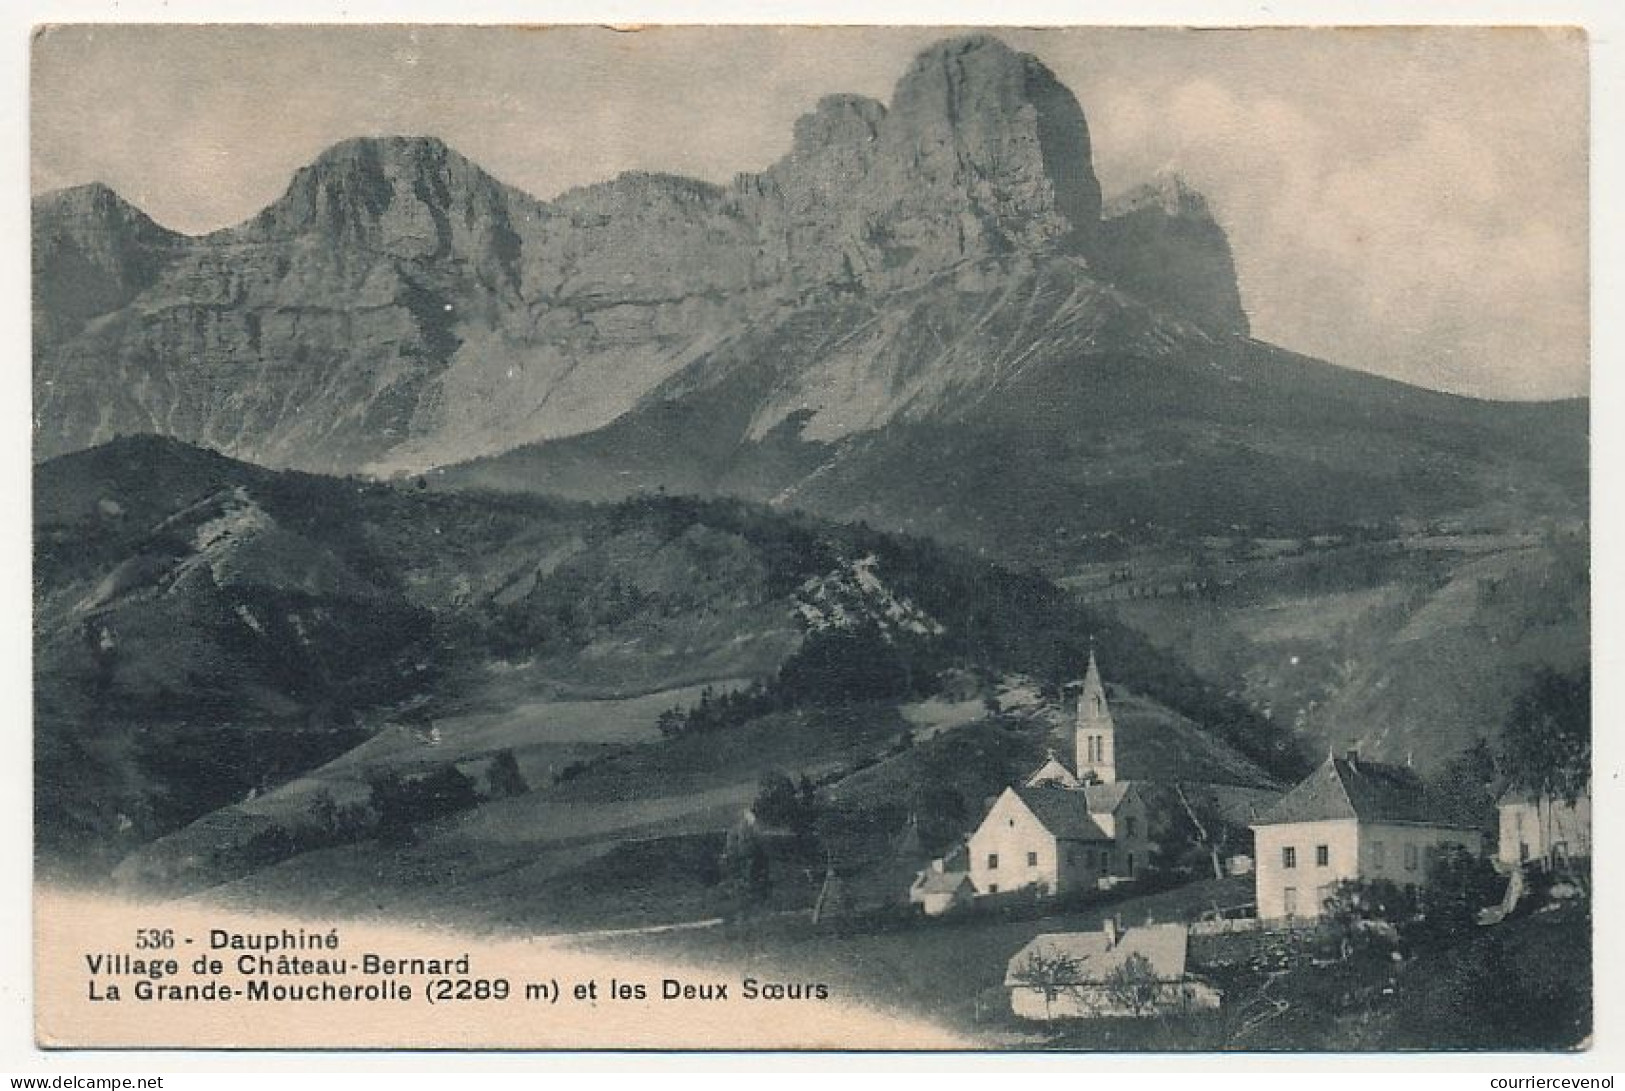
1351, 819
1066, 828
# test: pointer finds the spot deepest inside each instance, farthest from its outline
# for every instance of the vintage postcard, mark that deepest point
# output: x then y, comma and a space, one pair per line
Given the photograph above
811, 538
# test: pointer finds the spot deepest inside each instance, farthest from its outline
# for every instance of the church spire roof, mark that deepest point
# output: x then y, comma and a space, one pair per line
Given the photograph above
1095, 732
1092, 694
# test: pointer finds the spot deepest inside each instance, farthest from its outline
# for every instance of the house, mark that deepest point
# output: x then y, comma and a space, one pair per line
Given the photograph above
1090, 975
1041, 837
1535, 827
1351, 819
1066, 828
939, 889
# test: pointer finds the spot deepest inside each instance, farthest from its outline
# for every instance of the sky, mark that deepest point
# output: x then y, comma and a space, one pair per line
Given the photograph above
1411, 203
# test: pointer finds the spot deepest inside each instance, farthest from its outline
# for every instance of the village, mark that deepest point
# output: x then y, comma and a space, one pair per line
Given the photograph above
1344, 860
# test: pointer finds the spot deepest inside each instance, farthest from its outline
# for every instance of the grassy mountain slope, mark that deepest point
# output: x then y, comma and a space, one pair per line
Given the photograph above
1046, 420
1409, 650
208, 632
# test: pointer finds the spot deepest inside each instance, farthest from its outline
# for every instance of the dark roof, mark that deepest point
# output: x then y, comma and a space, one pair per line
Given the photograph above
1063, 812
1368, 791
932, 881
1104, 798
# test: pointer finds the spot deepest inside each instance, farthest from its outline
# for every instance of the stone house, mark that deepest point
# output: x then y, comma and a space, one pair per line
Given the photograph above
1350, 819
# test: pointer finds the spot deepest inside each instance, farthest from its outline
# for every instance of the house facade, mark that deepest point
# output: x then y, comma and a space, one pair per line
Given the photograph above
1350, 819
1066, 828
1534, 827
1040, 838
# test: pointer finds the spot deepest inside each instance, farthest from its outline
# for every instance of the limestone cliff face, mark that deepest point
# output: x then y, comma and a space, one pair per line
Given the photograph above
399, 308
1160, 241
93, 253
980, 130
982, 153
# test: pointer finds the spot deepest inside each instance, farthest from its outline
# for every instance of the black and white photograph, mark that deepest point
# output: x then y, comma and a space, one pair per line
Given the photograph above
811, 537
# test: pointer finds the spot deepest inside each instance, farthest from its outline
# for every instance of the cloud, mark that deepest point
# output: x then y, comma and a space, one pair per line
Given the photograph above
1413, 243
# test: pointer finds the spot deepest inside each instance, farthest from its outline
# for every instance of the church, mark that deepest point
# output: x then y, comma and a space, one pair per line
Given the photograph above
1066, 828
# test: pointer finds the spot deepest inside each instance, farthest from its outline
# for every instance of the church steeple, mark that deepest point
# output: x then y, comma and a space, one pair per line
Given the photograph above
1096, 733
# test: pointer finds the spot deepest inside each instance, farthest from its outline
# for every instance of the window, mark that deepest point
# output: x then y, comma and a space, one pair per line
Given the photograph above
1071, 858
992, 861
1032, 859
1129, 826
1131, 865
1323, 855
1410, 857
1289, 856
992, 888
1289, 901
1378, 854
1523, 851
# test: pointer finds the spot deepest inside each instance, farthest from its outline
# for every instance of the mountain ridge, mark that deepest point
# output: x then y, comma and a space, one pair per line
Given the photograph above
398, 308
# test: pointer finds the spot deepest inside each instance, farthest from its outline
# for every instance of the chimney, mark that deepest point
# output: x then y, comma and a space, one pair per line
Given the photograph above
1110, 928
1353, 756
937, 865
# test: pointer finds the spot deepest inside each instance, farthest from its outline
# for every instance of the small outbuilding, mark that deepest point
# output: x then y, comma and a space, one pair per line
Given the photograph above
1105, 974
938, 890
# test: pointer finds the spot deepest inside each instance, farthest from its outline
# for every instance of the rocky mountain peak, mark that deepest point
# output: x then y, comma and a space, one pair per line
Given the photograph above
982, 153
839, 123
1161, 242
407, 196
974, 109
1167, 192
90, 199
93, 252
92, 209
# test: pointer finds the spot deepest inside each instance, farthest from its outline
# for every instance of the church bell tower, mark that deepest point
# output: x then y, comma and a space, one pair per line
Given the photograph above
1096, 733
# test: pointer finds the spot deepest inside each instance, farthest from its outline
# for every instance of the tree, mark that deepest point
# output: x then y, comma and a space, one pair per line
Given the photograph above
1360, 911
1546, 744
1463, 788
745, 867
1460, 884
777, 803
1053, 973
671, 723
504, 776
1208, 829
940, 815
402, 802
1133, 985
